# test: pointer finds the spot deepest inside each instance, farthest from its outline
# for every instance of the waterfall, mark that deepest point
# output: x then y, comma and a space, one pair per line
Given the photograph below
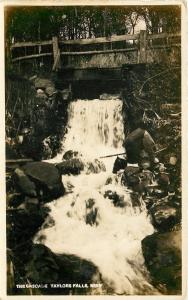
86, 222
96, 127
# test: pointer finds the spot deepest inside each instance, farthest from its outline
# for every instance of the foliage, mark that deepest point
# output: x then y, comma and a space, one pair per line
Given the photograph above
40, 23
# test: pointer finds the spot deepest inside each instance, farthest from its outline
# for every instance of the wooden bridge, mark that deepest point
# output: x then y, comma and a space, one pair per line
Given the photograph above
90, 58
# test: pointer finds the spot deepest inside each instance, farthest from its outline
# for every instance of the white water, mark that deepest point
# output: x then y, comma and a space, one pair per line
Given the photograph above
113, 241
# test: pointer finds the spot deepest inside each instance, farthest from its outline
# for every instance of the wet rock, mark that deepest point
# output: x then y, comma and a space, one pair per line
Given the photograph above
91, 216
131, 176
46, 178
91, 212
135, 199
119, 164
162, 253
72, 166
23, 183
95, 166
164, 216
106, 96
118, 200
46, 267
71, 154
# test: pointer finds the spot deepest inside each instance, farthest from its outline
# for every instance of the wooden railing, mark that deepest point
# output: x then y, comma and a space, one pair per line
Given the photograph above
137, 42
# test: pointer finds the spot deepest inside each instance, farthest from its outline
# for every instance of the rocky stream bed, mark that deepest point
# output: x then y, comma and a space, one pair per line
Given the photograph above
32, 186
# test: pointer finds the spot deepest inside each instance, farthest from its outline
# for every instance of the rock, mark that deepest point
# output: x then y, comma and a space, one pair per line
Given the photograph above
95, 167
119, 164
162, 253
106, 96
47, 179
91, 212
73, 166
173, 160
10, 152
42, 267
131, 176
164, 215
117, 200
46, 267
31, 204
39, 91
23, 226
47, 151
41, 99
14, 200
66, 94
163, 182
71, 154
50, 90
23, 183
42, 83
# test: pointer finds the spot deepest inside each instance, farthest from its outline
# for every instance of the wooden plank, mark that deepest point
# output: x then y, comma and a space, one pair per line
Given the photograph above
102, 40
143, 44
96, 40
162, 35
153, 47
56, 53
99, 52
31, 44
56, 64
31, 56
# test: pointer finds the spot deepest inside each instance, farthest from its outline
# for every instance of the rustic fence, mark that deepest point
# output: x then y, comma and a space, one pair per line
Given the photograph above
140, 46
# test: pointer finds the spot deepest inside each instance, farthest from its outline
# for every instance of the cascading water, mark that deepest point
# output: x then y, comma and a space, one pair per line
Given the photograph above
86, 222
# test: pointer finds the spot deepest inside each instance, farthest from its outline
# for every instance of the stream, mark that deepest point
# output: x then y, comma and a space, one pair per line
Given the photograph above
86, 223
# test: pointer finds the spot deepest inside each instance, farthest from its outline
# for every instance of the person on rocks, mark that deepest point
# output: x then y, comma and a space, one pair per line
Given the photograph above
140, 148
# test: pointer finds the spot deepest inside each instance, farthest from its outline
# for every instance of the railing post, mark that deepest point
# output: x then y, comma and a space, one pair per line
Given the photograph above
143, 45
56, 53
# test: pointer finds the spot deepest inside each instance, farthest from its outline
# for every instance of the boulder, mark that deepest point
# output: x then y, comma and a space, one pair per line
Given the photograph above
46, 178
162, 253
23, 183
73, 166
131, 176
22, 226
119, 164
164, 215
44, 266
